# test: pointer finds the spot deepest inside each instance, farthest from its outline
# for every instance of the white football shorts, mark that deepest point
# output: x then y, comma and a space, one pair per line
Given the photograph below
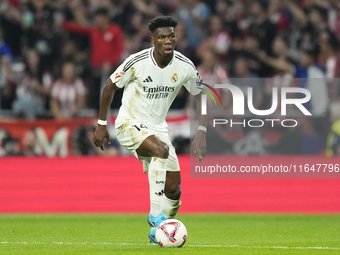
131, 134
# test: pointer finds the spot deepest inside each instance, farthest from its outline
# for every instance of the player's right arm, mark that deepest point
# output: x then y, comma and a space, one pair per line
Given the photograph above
117, 80
107, 96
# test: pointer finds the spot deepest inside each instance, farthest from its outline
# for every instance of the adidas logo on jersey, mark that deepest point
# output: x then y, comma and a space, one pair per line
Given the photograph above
148, 79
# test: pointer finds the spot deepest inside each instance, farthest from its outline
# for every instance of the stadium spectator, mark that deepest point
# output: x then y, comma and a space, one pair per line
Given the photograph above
328, 58
194, 14
138, 37
329, 61
222, 10
251, 47
279, 15
183, 44
213, 73
149, 8
7, 84
310, 77
313, 79
280, 51
280, 48
29, 145
244, 78
333, 9
280, 78
5, 50
261, 26
9, 146
46, 42
123, 13
110, 6
107, 48
295, 13
238, 19
317, 18
13, 27
312, 24
219, 40
210, 67
68, 94
36, 11
106, 39
71, 52
283, 13
33, 88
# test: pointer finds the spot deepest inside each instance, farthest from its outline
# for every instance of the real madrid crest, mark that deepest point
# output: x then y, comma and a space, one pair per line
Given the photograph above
174, 78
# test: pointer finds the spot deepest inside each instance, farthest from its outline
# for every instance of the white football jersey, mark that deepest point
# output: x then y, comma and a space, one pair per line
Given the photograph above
150, 90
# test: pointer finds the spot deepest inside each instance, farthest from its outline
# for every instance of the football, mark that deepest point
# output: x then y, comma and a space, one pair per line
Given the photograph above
171, 234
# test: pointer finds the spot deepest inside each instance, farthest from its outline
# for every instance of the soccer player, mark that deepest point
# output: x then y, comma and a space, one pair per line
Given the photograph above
151, 79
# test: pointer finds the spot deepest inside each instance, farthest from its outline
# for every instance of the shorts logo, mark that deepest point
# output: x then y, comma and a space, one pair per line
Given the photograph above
144, 132
174, 78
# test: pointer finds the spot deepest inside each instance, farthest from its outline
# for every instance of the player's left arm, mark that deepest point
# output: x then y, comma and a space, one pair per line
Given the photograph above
199, 143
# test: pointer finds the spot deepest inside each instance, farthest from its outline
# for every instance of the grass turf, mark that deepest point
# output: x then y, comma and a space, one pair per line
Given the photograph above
207, 234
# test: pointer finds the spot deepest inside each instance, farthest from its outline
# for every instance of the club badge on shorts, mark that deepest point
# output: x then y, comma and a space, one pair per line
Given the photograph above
144, 132
174, 78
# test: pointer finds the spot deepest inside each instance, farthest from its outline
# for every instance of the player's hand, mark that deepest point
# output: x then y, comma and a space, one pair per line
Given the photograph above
99, 135
200, 145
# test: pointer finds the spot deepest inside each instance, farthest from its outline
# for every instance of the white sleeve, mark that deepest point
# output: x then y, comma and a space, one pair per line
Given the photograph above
119, 77
194, 81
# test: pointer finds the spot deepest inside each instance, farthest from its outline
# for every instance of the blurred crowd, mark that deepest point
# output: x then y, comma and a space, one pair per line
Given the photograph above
56, 55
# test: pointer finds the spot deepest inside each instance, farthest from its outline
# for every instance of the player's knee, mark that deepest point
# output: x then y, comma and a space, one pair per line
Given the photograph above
173, 192
162, 150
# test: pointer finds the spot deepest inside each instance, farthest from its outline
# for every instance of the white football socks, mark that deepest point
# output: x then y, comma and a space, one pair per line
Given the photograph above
170, 207
157, 176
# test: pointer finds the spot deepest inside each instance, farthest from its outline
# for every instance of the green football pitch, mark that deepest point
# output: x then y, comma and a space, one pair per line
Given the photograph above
207, 234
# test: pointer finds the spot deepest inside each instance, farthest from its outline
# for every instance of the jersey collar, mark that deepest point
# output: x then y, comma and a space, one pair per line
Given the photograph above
154, 61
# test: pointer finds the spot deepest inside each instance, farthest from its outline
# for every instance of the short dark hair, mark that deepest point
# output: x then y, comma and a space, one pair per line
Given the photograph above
162, 21
101, 12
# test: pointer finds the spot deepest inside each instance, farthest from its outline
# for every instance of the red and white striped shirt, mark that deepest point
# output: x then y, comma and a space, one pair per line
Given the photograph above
67, 94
